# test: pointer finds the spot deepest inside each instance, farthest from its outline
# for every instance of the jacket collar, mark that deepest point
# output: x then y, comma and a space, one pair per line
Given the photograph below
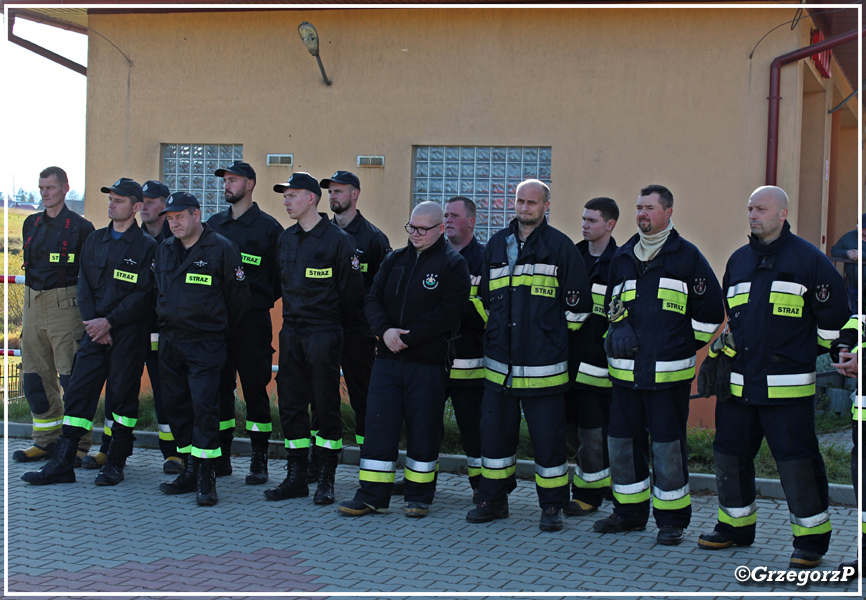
535, 242
774, 246
318, 230
608, 253
127, 236
354, 225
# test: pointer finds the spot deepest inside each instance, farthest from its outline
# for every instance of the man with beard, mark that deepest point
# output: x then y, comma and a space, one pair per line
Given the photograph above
115, 286
249, 348
359, 343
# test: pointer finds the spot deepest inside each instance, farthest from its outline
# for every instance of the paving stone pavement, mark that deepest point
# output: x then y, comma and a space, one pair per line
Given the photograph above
132, 538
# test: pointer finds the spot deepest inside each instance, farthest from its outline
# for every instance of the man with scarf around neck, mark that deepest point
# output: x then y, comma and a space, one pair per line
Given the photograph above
785, 302
665, 304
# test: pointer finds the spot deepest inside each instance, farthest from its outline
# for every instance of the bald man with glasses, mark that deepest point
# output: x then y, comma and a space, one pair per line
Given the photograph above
414, 307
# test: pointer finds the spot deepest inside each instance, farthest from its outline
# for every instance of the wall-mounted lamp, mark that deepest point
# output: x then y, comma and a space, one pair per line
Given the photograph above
311, 41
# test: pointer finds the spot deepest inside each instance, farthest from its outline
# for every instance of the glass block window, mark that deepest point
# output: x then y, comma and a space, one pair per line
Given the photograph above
190, 168
488, 175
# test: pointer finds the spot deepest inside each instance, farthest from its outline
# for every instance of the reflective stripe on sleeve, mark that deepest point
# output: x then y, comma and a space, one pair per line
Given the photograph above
621, 368
588, 374
739, 294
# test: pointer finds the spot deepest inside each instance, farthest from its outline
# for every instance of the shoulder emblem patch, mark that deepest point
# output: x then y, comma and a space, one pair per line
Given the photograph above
822, 292
239, 274
356, 263
700, 286
430, 282
572, 298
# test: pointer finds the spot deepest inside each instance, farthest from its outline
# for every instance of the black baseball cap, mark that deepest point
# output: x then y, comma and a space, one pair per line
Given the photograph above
346, 177
125, 187
238, 168
299, 181
179, 201
155, 189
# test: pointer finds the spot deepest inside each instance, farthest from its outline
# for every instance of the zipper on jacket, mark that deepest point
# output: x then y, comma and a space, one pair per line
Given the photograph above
411, 273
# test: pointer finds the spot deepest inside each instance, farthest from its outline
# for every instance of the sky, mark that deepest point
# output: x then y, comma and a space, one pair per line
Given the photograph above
43, 108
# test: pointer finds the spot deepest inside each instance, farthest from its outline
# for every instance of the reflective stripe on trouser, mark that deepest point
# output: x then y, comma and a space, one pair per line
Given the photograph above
309, 375
500, 428
50, 333
190, 373
587, 414
167, 445
117, 366
249, 360
664, 415
790, 433
466, 402
414, 393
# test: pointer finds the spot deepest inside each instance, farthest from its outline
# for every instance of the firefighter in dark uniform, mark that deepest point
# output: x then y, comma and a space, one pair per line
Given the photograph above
667, 304
154, 194
51, 329
115, 286
250, 354
322, 290
359, 343
785, 300
587, 402
154, 224
535, 289
414, 308
845, 351
466, 382
202, 295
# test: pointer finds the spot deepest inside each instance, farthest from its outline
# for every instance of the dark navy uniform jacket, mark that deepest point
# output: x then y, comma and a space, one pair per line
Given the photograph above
52, 249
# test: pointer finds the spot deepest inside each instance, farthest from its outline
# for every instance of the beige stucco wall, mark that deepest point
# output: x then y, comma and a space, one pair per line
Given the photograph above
623, 97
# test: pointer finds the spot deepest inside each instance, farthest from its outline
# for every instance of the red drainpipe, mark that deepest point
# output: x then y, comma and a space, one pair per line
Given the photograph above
775, 77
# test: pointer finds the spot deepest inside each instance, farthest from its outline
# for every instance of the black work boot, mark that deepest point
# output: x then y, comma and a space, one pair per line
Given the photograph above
325, 489
295, 483
59, 469
258, 465
118, 451
313, 466
223, 466
186, 481
207, 493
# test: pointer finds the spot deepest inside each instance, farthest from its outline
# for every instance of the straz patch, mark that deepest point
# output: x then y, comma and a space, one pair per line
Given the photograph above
199, 279
783, 310
356, 263
547, 292
319, 273
700, 286
598, 309
364, 267
55, 257
673, 306
124, 276
430, 282
572, 298
239, 274
250, 259
822, 292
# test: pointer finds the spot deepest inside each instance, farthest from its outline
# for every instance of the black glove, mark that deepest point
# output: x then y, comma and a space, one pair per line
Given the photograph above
847, 339
707, 377
723, 377
621, 341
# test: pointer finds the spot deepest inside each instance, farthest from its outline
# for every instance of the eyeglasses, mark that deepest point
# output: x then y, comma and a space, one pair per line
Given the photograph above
419, 230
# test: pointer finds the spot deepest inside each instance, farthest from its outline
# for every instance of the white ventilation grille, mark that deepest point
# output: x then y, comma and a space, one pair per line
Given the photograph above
280, 160
371, 161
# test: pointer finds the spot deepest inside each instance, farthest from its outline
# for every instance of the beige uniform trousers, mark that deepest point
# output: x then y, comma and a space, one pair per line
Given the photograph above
50, 337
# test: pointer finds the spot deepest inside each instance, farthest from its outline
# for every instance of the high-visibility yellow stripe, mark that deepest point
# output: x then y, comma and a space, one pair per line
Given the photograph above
77, 422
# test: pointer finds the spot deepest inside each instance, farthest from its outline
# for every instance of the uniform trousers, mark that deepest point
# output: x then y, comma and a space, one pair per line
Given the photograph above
50, 334
587, 415
466, 402
250, 357
309, 375
189, 371
359, 353
664, 415
500, 433
118, 366
414, 393
790, 433
167, 444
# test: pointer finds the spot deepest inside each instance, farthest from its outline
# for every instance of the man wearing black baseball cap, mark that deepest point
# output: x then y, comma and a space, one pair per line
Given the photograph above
322, 290
115, 287
155, 194
359, 343
202, 297
250, 353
